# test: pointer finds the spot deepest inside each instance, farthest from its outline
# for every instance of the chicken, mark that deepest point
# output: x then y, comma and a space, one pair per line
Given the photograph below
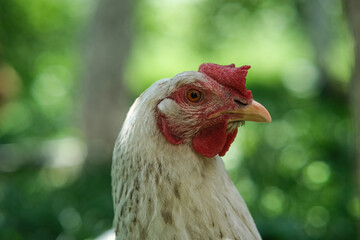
168, 179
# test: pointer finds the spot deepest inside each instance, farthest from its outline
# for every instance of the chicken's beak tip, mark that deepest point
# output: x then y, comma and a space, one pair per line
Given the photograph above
269, 120
266, 115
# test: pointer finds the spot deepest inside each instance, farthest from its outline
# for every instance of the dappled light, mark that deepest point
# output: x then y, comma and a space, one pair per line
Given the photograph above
301, 77
273, 201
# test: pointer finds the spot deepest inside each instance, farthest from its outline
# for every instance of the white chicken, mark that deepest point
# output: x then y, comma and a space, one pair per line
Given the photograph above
168, 179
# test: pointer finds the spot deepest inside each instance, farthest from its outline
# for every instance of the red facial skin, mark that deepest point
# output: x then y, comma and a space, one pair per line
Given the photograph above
209, 137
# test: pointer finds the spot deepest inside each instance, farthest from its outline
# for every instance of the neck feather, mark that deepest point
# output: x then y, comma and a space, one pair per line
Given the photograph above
165, 191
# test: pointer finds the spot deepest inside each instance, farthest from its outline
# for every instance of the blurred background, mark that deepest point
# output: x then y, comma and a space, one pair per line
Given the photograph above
70, 69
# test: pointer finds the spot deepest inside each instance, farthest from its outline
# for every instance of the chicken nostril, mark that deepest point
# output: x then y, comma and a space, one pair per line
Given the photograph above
240, 102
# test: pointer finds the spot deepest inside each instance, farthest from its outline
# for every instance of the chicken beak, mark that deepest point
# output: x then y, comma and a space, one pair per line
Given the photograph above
253, 111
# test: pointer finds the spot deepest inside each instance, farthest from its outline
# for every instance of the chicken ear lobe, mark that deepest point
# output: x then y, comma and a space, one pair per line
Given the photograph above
212, 140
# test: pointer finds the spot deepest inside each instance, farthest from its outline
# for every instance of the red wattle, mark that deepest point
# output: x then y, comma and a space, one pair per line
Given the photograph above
229, 140
211, 140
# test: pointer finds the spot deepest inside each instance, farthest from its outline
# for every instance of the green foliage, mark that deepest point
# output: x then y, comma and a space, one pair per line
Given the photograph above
39, 39
36, 203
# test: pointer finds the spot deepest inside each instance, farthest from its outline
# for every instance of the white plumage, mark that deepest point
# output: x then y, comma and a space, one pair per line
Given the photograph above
163, 190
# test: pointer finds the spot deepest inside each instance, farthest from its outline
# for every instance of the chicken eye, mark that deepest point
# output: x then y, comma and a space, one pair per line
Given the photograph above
194, 95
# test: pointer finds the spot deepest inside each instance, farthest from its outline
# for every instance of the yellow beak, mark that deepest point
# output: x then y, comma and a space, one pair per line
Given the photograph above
253, 111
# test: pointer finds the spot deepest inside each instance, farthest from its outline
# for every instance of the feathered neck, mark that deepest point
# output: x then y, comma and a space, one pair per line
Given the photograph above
163, 191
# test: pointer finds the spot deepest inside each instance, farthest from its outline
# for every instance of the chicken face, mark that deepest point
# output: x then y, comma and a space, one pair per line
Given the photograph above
206, 112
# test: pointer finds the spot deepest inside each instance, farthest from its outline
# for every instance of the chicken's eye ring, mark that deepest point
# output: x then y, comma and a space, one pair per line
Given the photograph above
194, 95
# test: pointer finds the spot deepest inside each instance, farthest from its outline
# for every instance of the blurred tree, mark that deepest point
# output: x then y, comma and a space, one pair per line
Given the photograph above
322, 21
10, 84
353, 8
106, 100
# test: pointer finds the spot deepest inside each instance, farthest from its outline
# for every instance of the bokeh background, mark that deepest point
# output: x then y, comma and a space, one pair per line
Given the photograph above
70, 69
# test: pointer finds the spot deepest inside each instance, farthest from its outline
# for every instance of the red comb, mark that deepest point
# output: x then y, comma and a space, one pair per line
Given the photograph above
229, 76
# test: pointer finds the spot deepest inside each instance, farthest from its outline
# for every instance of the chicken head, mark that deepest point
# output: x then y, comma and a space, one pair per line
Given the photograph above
208, 106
